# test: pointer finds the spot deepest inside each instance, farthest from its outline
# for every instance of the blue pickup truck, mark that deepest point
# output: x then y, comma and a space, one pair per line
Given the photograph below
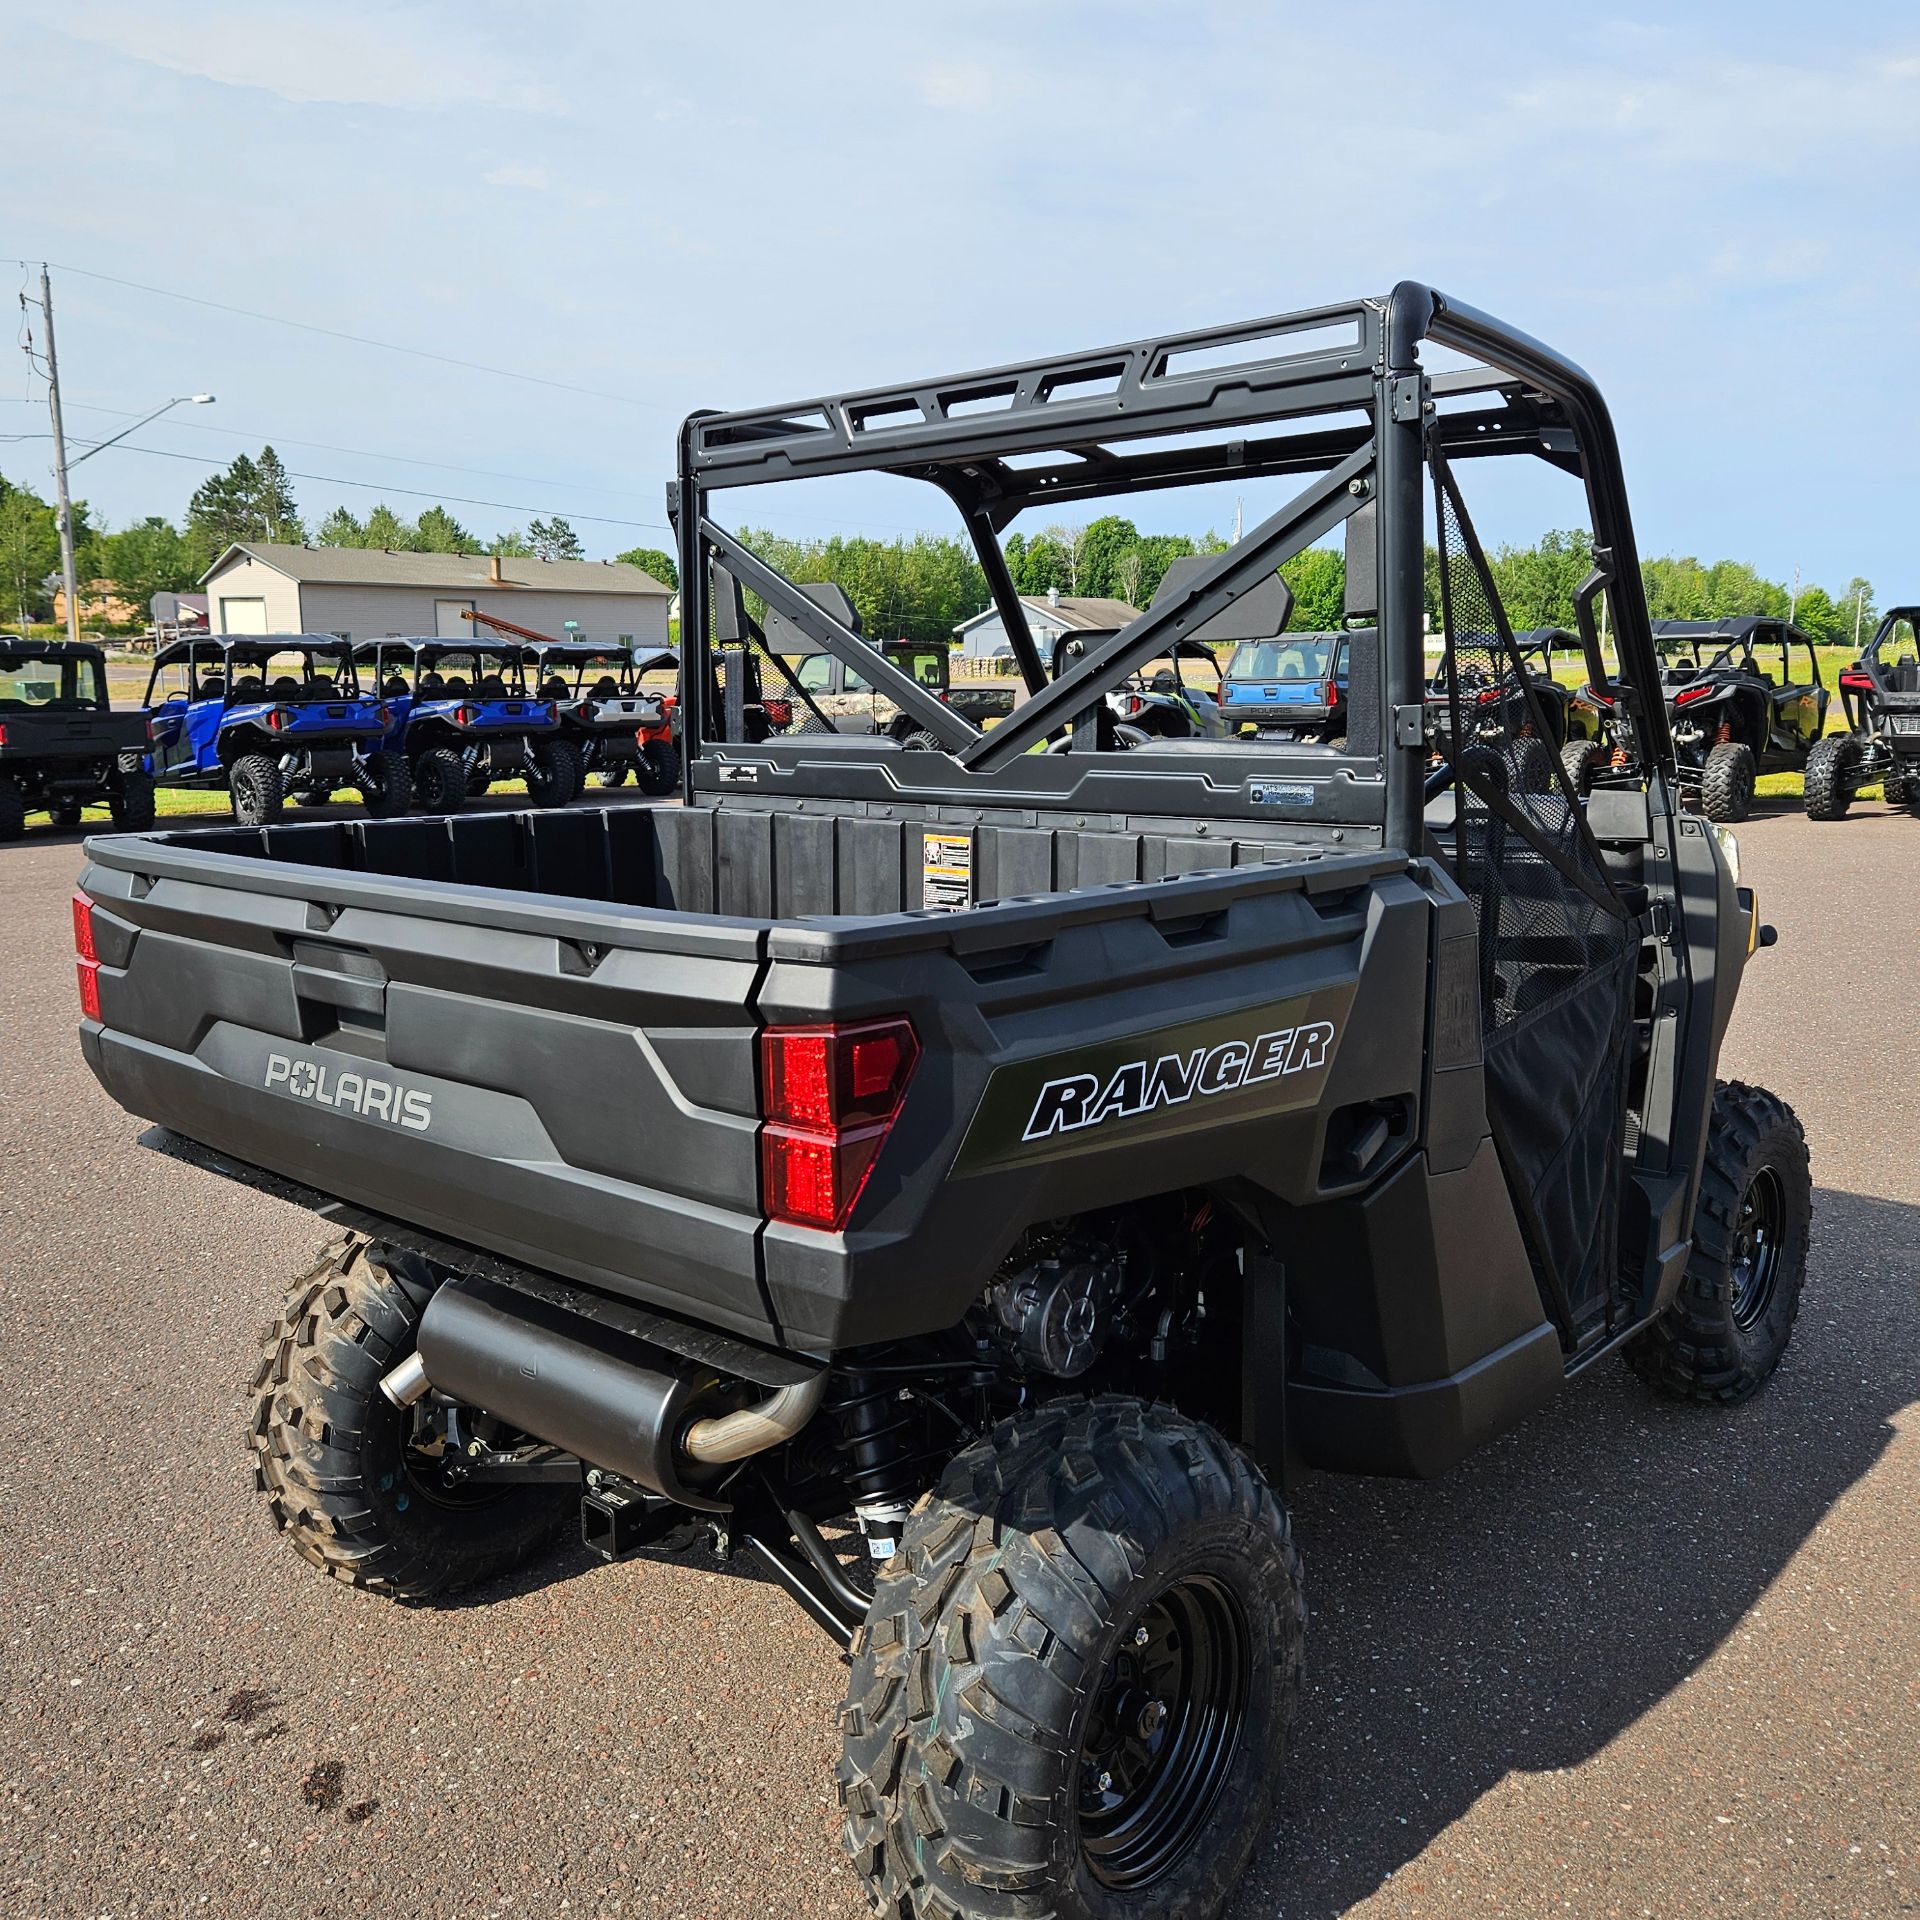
270, 717
464, 717
1290, 687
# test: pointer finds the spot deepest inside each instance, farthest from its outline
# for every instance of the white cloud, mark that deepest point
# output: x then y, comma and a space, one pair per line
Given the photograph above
959, 87
340, 56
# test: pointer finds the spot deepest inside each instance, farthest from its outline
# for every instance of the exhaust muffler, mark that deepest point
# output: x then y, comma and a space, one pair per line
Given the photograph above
592, 1390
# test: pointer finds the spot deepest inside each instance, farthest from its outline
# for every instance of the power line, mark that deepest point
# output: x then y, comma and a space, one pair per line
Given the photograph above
361, 339
374, 486
319, 446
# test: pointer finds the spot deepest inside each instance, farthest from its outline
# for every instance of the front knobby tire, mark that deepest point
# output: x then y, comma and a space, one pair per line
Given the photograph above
1072, 1693
1728, 1326
332, 1454
1827, 786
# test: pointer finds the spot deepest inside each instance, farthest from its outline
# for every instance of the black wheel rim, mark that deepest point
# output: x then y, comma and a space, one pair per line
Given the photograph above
1163, 1731
1755, 1264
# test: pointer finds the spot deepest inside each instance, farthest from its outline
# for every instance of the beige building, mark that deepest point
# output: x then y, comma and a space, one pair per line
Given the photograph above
366, 594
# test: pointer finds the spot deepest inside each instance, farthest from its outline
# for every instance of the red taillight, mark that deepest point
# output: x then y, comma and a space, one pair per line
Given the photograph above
779, 712
1135, 704
831, 1096
1688, 695
1333, 693
464, 716
277, 720
88, 964
3, 733
385, 716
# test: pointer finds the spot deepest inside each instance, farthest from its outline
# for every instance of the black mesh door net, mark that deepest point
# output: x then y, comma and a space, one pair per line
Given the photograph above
1557, 950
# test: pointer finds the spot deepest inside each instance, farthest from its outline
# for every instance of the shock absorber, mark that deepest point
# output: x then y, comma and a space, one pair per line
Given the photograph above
878, 1429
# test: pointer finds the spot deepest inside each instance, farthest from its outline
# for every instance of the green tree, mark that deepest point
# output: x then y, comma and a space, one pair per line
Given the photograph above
1815, 614
1105, 544
554, 540
1862, 616
251, 500
340, 529
146, 558
1536, 584
386, 530
652, 560
29, 551
1318, 578
274, 500
511, 545
439, 532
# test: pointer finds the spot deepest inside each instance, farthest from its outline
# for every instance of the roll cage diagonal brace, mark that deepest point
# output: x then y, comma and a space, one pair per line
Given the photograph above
1314, 513
820, 626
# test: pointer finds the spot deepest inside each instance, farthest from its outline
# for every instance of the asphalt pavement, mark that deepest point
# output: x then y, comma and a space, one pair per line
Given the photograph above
1633, 1659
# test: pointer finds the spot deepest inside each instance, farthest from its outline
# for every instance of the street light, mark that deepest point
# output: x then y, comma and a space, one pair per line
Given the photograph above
67, 565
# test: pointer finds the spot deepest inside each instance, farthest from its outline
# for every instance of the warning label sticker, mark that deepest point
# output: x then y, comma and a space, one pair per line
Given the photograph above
946, 871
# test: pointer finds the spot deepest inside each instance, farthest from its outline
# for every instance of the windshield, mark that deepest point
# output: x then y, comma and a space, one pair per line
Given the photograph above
49, 683
1304, 656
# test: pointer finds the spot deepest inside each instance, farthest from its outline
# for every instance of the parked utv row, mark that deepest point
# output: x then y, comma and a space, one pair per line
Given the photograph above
403, 722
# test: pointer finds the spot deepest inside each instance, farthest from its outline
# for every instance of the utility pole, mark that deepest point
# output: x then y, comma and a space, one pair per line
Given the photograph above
67, 569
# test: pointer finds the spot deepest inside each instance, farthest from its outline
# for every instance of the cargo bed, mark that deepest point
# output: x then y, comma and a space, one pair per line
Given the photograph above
537, 1033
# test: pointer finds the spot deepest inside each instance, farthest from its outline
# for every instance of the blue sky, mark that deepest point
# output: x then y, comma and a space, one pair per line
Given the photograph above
1711, 206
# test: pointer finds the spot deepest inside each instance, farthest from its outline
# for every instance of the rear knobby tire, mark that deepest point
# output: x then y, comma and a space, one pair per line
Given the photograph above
254, 782
1579, 758
65, 813
1726, 783
13, 811
131, 803
329, 1448
1827, 790
1729, 1324
657, 771
1065, 1575
554, 773
386, 786
440, 781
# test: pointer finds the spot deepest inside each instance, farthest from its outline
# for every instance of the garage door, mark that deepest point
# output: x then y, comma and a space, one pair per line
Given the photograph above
243, 615
447, 623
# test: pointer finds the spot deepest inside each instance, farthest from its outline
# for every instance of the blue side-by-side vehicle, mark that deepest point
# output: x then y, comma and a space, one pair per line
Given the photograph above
463, 716
271, 717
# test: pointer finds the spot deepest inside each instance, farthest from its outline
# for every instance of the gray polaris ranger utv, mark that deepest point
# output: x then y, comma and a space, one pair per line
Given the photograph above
970, 1180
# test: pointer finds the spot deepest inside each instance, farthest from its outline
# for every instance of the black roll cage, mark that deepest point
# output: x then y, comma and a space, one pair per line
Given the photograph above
231, 649
418, 656
975, 437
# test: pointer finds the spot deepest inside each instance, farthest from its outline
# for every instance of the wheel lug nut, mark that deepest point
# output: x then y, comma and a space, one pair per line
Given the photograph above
1105, 1783
1141, 1636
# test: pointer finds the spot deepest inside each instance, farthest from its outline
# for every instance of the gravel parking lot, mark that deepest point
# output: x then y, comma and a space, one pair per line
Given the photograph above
1634, 1659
